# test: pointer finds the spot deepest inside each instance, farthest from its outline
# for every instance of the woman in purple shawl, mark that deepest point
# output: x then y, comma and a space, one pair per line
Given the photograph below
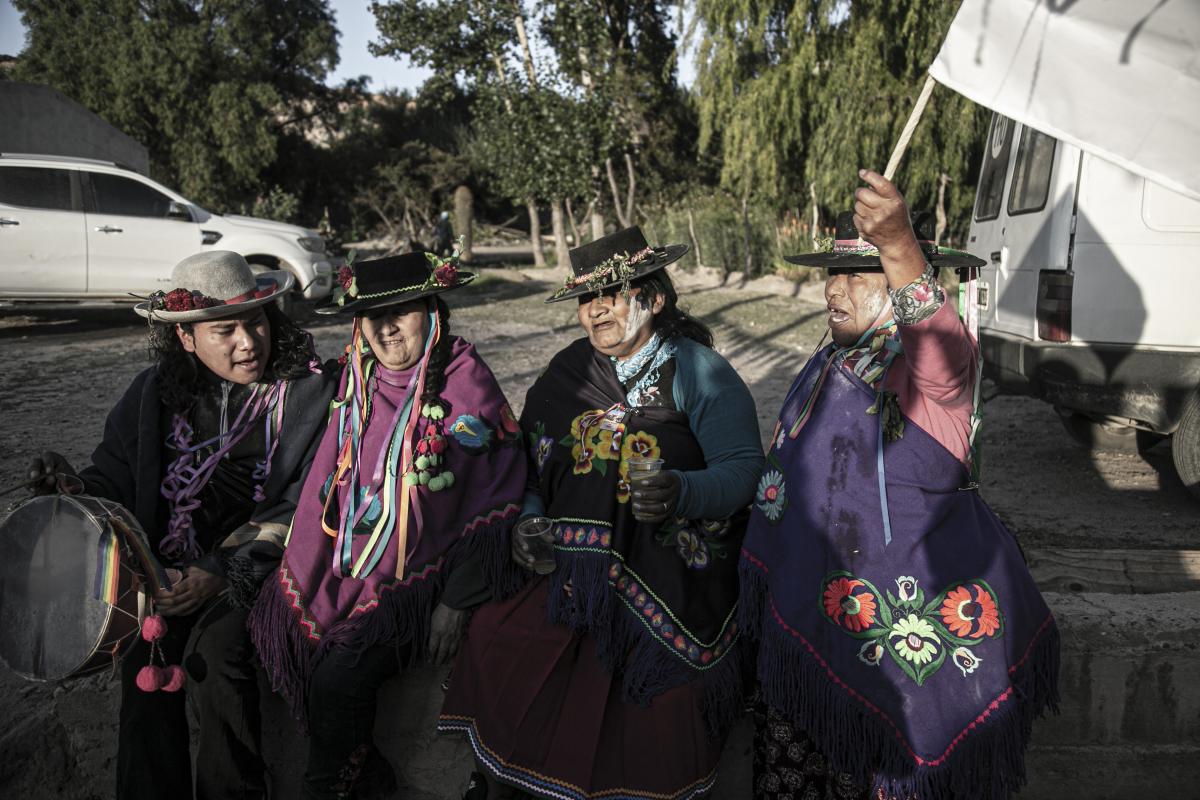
418, 476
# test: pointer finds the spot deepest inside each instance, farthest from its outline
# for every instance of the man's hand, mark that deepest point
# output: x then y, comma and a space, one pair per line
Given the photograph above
191, 592
445, 632
655, 496
881, 216
44, 471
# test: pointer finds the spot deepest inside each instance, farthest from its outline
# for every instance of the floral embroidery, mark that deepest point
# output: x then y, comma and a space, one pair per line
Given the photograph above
472, 434
595, 438
696, 541
541, 446
641, 444
845, 607
919, 300
916, 634
771, 497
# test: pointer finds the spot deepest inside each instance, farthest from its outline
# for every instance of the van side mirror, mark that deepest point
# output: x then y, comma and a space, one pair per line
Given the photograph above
178, 210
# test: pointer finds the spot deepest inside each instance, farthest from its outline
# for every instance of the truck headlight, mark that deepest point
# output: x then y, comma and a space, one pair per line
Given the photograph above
313, 244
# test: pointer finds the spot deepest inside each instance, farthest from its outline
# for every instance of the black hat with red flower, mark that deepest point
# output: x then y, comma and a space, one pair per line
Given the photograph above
363, 285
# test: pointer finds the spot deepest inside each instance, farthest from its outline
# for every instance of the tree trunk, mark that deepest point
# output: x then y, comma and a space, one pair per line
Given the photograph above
812, 191
749, 266
561, 248
535, 234
632, 187
943, 179
616, 193
464, 219
695, 239
597, 219
526, 53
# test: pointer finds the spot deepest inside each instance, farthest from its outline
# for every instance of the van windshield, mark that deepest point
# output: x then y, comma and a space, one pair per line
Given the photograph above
990, 195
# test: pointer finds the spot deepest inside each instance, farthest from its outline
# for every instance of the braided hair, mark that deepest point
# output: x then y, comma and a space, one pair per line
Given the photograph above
439, 357
672, 321
180, 374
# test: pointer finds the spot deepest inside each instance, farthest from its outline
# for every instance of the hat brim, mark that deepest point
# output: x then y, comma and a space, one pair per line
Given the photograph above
330, 307
946, 257
282, 279
662, 257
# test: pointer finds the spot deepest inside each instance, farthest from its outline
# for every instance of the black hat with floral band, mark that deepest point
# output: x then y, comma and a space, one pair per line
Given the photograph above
212, 285
847, 251
364, 285
612, 260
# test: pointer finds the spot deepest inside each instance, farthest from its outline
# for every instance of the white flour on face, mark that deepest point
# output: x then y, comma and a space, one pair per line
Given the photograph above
639, 315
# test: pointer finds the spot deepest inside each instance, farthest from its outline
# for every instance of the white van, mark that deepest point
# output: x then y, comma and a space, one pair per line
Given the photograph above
81, 229
1090, 299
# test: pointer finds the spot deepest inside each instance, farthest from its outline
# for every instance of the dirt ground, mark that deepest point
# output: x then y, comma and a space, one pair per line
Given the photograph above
63, 367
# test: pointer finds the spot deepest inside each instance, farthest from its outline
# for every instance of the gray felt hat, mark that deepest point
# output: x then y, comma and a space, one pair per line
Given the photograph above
212, 285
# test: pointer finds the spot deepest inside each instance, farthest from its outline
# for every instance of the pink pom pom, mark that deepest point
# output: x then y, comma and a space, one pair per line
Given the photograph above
149, 678
174, 678
154, 627
438, 445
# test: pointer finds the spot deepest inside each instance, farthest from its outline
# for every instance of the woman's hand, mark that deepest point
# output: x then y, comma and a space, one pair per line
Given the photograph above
445, 632
44, 471
655, 496
521, 553
190, 593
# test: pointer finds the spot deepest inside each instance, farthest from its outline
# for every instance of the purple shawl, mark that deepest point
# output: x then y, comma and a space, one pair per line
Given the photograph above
916, 665
306, 608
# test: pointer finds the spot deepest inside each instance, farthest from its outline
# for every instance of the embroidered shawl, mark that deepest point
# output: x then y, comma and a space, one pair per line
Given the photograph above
919, 663
306, 608
660, 600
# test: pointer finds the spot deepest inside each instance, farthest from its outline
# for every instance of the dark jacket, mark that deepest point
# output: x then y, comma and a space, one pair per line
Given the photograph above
127, 468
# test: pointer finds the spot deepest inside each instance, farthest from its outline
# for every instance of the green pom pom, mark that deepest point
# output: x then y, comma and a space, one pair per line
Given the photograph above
410, 479
436, 484
425, 410
436, 413
422, 462
448, 479
423, 478
434, 459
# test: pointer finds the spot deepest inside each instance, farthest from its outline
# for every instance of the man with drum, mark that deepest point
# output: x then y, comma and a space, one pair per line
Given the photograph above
208, 448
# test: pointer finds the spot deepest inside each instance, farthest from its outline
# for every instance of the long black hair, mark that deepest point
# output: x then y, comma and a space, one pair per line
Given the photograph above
181, 375
672, 321
439, 358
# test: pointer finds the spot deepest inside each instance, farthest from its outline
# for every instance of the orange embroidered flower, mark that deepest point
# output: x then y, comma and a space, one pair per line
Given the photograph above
970, 619
640, 444
841, 601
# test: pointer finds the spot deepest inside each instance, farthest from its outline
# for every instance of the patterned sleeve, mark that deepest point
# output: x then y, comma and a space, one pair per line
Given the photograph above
919, 300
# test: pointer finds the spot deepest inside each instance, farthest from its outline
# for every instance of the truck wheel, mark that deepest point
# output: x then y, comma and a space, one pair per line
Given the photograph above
1185, 446
1106, 436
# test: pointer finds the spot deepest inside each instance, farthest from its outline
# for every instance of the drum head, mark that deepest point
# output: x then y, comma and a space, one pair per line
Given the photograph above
50, 620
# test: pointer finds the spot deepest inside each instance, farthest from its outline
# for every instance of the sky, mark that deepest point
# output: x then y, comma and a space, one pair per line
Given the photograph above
357, 26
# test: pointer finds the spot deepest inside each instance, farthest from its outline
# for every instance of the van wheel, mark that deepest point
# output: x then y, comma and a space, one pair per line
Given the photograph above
1185, 446
1102, 436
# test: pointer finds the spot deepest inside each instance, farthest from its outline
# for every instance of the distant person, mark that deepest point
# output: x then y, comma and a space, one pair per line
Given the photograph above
443, 235
419, 474
616, 674
208, 449
903, 648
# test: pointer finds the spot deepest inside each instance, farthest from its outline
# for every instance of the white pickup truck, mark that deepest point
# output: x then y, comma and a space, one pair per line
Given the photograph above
80, 229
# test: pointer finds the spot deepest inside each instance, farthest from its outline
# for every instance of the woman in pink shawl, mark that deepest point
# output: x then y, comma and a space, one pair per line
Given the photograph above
418, 477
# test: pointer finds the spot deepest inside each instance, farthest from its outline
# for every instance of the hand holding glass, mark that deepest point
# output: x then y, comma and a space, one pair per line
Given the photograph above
639, 470
535, 540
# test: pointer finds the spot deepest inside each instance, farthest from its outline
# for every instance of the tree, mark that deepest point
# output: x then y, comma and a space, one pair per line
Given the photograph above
211, 87
796, 93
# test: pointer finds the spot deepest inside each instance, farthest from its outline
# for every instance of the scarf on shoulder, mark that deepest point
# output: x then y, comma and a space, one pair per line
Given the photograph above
398, 495
660, 599
897, 623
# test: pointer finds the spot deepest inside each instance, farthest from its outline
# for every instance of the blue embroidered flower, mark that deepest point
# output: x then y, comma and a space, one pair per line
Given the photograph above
692, 549
542, 453
472, 434
771, 497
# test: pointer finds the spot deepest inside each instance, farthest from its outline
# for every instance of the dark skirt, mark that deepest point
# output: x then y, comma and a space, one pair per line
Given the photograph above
788, 765
542, 714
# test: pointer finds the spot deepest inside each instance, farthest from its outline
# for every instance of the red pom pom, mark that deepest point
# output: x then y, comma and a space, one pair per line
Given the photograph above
423, 446
446, 274
173, 678
345, 277
438, 444
154, 628
179, 300
149, 678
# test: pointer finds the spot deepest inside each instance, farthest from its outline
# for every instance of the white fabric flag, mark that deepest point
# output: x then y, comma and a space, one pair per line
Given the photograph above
1118, 78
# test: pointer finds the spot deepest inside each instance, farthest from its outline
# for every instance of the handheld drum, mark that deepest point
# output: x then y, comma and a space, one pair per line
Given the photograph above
71, 570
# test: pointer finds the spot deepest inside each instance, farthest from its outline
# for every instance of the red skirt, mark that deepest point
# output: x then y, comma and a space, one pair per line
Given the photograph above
544, 716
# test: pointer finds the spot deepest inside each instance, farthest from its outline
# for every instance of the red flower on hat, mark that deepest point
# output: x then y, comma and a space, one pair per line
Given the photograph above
179, 300
446, 274
345, 276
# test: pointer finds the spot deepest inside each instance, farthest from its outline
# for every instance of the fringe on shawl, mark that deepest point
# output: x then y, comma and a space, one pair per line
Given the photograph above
288, 653
647, 667
987, 761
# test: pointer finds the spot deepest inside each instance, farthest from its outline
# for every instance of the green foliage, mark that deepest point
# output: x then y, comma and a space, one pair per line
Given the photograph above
211, 87
795, 93
277, 204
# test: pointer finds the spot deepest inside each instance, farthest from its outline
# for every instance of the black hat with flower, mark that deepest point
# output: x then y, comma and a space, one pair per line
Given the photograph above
363, 285
614, 260
847, 250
